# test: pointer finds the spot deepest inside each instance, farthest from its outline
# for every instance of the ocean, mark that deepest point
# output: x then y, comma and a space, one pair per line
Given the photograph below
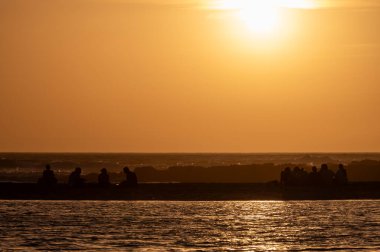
202, 226
92, 162
192, 225
27, 167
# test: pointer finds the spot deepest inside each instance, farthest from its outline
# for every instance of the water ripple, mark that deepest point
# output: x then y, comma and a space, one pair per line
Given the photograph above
149, 225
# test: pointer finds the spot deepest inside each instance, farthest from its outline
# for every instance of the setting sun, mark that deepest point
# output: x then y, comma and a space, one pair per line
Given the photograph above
262, 17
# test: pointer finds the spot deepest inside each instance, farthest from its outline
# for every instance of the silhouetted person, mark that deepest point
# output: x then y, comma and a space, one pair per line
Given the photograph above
285, 176
341, 175
131, 178
326, 175
314, 176
303, 177
297, 176
75, 179
48, 178
103, 178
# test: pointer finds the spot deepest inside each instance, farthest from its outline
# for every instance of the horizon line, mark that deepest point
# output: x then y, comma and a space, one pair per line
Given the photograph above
105, 152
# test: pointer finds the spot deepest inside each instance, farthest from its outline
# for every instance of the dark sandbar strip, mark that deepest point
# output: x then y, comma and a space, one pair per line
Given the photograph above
191, 192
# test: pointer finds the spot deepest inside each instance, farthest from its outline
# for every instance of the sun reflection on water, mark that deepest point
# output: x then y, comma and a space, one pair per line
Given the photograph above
232, 225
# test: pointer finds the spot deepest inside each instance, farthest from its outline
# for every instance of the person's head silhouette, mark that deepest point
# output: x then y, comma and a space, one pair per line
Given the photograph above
78, 170
324, 167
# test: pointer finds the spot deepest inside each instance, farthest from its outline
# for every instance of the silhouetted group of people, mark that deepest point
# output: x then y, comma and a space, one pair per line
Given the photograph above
295, 176
75, 179
323, 176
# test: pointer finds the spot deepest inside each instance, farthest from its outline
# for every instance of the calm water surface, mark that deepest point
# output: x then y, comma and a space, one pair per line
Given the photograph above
147, 225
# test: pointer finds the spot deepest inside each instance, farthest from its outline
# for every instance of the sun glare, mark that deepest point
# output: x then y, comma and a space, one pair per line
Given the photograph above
262, 16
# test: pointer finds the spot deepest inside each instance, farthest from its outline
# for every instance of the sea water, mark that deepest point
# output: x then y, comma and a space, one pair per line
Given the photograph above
162, 225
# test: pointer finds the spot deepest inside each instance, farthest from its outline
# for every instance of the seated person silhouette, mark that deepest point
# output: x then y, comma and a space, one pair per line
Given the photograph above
131, 178
341, 176
103, 178
326, 175
75, 179
48, 178
285, 176
314, 176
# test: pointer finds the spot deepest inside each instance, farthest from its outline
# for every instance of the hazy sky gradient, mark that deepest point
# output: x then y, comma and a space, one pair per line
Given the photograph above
173, 76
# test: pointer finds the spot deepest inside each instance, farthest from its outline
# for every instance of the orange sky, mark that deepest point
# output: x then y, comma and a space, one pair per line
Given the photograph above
178, 76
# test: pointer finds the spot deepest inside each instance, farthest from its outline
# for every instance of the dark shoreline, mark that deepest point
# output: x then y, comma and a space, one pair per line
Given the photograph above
191, 192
